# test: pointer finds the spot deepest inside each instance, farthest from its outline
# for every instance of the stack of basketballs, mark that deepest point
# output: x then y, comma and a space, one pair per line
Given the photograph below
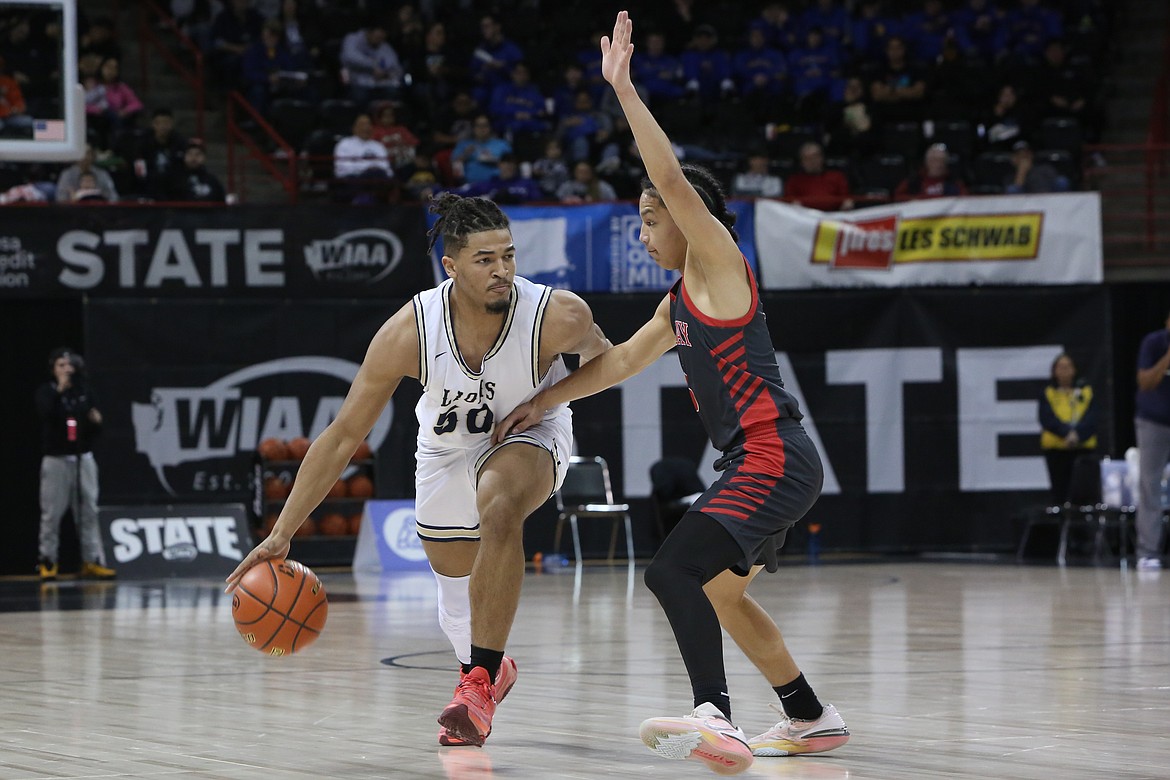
340, 513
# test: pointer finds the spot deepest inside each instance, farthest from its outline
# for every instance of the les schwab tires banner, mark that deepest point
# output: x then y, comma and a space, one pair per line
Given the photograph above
1013, 239
923, 402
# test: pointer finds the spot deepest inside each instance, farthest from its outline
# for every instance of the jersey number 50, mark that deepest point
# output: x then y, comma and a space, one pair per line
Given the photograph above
479, 420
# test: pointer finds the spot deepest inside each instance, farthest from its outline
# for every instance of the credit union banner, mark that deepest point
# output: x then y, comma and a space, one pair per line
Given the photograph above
1013, 239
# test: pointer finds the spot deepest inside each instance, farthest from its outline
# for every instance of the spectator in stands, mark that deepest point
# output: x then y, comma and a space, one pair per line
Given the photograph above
454, 122
360, 155
518, 106
926, 31
872, 30
372, 65
565, 95
812, 69
1006, 123
899, 91
849, 123
585, 129
14, 118
300, 25
706, 68
935, 180
159, 154
659, 72
589, 58
1030, 177
678, 19
815, 187
480, 155
408, 37
831, 19
270, 70
585, 187
435, 72
756, 181
424, 178
551, 170
88, 189
110, 103
493, 58
68, 181
192, 182
508, 186
1029, 27
762, 71
780, 28
1064, 90
194, 19
400, 143
234, 29
980, 30
100, 39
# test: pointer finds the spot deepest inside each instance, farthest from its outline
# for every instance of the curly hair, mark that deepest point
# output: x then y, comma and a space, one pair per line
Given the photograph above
459, 217
709, 189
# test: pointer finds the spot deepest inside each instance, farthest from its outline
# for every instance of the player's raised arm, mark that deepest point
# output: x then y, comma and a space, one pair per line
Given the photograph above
606, 370
711, 246
392, 354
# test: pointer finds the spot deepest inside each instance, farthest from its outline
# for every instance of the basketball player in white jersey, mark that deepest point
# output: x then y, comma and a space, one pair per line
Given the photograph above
480, 343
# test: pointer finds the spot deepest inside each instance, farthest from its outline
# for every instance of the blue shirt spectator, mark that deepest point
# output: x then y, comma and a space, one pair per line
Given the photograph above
831, 19
926, 31
583, 127
589, 58
493, 59
1031, 26
780, 28
707, 69
760, 68
518, 105
480, 155
980, 30
872, 28
507, 186
813, 67
660, 73
268, 67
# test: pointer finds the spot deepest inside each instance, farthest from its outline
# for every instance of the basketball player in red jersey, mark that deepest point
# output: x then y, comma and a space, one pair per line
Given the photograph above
771, 472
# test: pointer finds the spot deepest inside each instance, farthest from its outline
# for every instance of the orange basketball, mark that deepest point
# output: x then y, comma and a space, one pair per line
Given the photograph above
339, 489
361, 486
273, 449
355, 524
280, 607
362, 452
275, 488
333, 524
298, 447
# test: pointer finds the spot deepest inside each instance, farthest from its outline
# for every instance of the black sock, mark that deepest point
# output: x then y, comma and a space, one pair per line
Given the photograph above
714, 694
465, 668
798, 700
488, 659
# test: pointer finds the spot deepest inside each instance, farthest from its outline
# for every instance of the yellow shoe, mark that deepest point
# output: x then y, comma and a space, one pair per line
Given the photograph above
97, 571
48, 571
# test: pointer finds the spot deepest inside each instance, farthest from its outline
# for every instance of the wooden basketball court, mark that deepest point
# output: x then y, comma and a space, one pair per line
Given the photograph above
940, 670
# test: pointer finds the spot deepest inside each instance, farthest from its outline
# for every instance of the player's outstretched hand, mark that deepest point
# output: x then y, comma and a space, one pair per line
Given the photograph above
272, 547
615, 54
522, 418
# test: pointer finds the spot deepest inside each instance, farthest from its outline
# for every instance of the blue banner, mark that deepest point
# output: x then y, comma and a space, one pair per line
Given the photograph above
388, 539
595, 247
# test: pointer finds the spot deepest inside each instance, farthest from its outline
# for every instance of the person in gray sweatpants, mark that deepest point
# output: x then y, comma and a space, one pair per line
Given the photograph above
69, 473
1152, 427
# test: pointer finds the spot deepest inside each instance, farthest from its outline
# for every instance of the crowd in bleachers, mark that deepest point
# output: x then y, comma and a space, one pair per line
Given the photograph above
832, 103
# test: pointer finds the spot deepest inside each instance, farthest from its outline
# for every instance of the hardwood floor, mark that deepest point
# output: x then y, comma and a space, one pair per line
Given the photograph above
940, 670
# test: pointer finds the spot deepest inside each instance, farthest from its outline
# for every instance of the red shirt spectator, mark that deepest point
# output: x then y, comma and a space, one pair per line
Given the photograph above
934, 181
815, 187
400, 143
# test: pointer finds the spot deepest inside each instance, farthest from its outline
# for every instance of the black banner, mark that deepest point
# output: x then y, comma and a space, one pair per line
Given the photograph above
148, 542
923, 401
314, 251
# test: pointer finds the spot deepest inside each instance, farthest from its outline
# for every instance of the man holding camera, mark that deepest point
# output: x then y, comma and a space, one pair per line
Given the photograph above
69, 473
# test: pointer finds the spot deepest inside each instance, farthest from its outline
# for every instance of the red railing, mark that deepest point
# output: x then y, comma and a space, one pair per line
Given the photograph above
285, 171
150, 18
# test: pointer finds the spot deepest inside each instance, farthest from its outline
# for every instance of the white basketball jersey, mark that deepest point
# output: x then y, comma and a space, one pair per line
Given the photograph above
459, 407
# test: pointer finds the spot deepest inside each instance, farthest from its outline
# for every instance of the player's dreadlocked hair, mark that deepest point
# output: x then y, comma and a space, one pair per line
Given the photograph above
709, 190
459, 217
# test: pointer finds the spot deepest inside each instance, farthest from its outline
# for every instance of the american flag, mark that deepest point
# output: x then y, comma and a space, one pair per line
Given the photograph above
48, 130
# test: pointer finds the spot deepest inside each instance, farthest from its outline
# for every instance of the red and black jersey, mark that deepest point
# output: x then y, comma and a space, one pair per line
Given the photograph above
735, 384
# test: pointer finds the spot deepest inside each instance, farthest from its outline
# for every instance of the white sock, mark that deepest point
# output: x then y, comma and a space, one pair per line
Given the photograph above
455, 613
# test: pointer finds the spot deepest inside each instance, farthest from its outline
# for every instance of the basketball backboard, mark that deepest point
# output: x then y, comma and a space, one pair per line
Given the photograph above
52, 129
